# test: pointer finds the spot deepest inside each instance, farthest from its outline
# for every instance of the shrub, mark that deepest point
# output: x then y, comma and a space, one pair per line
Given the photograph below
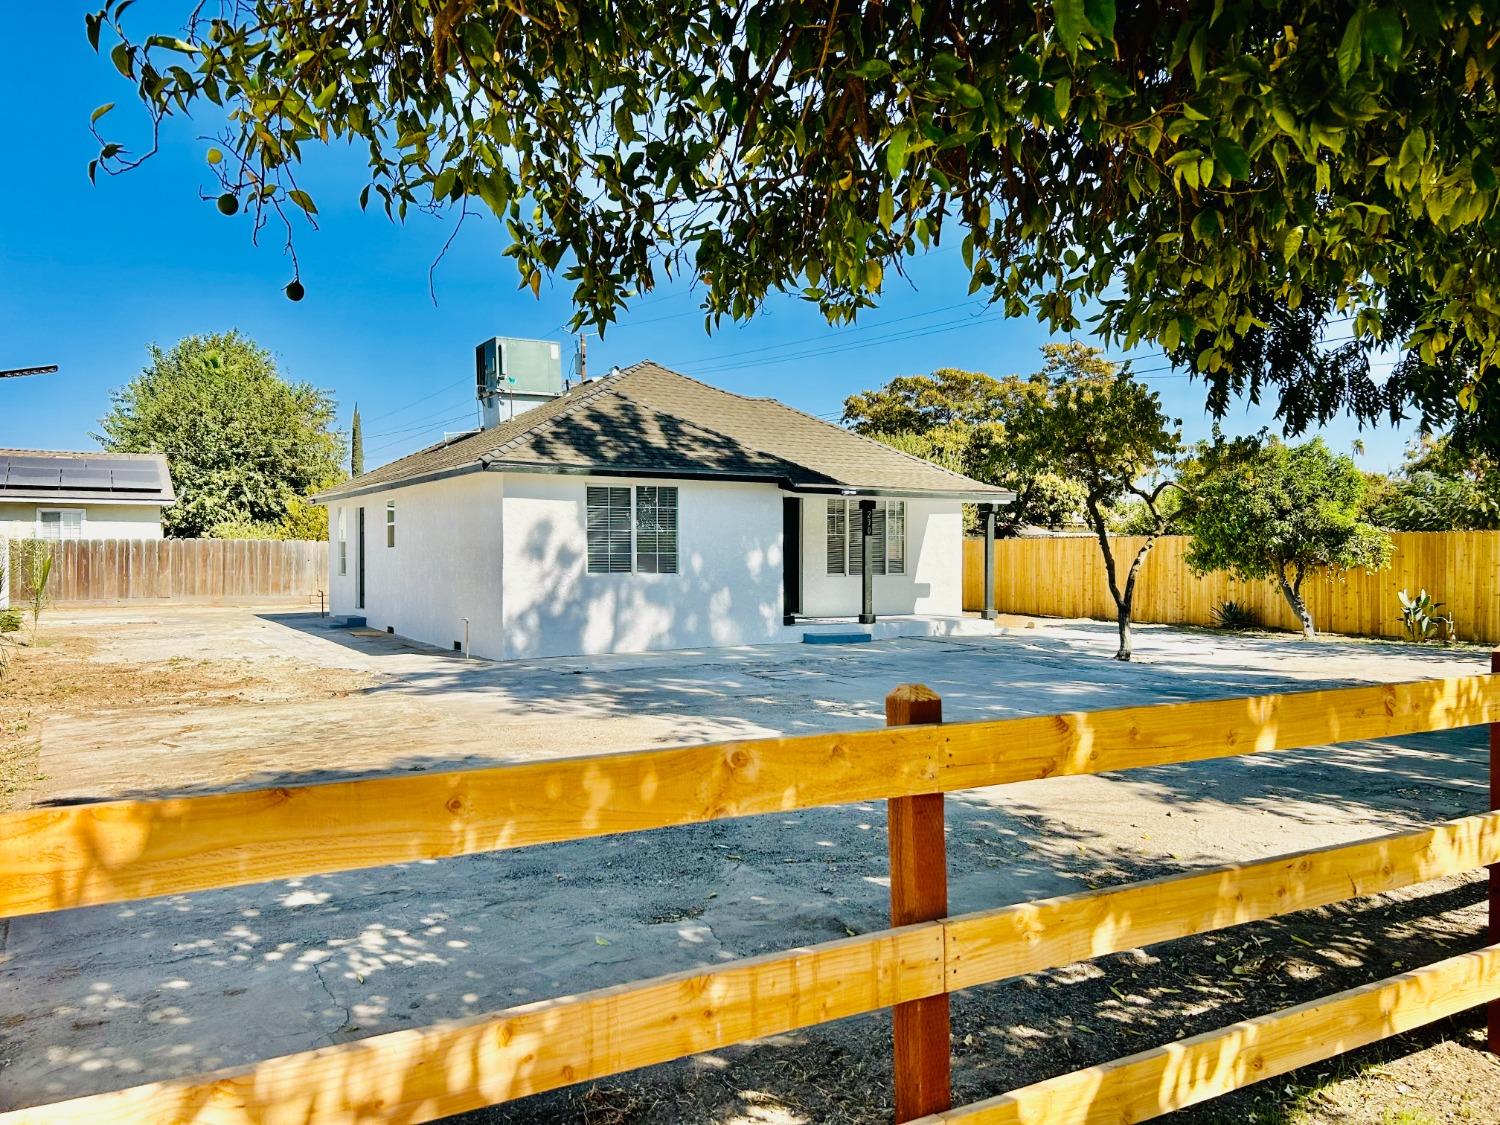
10, 620
1232, 615
1420, 617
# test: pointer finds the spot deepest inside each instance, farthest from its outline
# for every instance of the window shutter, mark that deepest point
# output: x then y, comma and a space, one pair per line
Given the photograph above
837, 536
608, 532
877, 539
895, 533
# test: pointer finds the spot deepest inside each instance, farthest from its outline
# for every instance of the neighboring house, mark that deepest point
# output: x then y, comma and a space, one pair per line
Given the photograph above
647, 510
51, 495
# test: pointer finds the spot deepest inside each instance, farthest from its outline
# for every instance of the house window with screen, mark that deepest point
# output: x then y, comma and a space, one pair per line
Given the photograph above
846, 541
343, 542
59, 523
632, 529
390, 523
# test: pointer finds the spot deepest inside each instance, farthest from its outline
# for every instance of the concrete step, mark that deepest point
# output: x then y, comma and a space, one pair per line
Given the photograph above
854, 638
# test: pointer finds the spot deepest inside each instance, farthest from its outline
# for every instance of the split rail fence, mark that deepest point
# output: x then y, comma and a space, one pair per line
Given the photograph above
1063, 576
203, 570
58, 858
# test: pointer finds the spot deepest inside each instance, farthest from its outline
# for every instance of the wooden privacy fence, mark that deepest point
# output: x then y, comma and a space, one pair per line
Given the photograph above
1063, 576
57, 858
205, 570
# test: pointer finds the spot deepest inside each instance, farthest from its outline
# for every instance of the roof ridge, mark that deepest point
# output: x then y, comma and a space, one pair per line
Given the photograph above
813, 418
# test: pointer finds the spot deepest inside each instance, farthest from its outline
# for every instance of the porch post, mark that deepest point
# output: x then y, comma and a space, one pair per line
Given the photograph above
866, 565
987, 520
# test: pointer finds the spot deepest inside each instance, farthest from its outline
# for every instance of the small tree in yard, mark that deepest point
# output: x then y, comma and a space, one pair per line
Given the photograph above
1092, 424
1282, 512
31, 572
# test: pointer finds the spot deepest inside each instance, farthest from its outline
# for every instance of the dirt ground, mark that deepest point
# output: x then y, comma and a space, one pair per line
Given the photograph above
116, 703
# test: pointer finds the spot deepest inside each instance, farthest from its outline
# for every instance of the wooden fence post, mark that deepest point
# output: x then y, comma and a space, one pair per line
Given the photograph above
1492, 1010
919, 893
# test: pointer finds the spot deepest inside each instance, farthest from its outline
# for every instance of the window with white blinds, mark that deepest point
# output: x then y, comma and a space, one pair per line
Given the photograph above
59, 523
609, 530
846, 537
632, 529
656, 529
343, 542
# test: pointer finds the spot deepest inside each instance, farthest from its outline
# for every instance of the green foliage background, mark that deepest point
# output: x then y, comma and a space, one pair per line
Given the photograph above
1223, 181
245, 446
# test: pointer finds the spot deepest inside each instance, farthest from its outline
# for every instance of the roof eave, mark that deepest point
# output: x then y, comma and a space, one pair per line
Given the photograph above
969, 495
346, 492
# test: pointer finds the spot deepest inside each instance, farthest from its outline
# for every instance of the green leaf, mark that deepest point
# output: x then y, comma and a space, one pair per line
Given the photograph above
1351, 50
895, 152
1071, 22
1062, 96
215, 156
1101, 16
302, 200
1383, 33
1232, 158
1291, 243
101, 111
1483, 173
120, 56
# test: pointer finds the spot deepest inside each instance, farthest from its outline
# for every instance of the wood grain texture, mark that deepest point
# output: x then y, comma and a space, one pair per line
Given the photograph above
922, 1059
93, 571
1063, 576
56, 858
1034, 936
420, 1075
1163, 1079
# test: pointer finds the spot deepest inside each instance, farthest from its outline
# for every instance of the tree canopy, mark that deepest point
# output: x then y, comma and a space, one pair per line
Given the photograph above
1090, 423
245, 446
1275, 511
1229, 182
962, 420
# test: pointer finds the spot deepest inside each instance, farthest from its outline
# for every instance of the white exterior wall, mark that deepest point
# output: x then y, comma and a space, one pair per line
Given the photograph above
728, 589
932, 584
444, 567
18, 519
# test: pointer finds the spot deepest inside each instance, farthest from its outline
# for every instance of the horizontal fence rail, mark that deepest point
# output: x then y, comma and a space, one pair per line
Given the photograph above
86, 571
113, 851
54, 858
554, 1043
1063, 576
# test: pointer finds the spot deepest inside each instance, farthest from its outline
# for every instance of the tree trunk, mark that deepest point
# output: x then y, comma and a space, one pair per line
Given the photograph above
1292, 591
1125, 598
1124, 621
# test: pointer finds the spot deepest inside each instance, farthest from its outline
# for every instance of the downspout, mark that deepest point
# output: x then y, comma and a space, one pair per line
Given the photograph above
866, 564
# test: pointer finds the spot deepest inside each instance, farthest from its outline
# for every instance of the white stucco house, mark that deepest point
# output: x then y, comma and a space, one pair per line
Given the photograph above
648, 510
47, 494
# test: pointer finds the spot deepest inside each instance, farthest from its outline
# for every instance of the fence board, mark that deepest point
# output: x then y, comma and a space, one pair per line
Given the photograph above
427, 1073
56, 858
1163, 1079
1063, 576
1031, 937
98, 571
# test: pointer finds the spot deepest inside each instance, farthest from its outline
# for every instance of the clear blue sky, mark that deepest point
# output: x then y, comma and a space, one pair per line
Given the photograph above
90, 275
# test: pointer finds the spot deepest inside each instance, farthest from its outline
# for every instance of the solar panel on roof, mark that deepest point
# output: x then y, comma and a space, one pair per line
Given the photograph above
23, 477
85, 476
22, 462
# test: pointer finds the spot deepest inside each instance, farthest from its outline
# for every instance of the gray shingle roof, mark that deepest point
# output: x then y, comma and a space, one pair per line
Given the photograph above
649, 421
